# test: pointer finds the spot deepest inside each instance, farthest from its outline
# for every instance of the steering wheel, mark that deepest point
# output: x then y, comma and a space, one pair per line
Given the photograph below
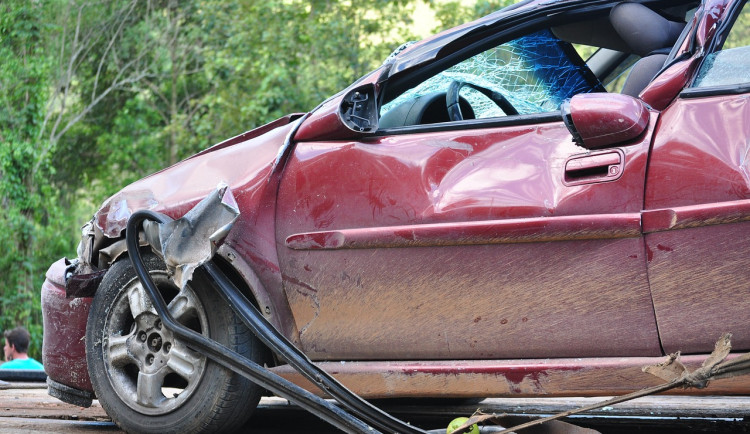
454, 108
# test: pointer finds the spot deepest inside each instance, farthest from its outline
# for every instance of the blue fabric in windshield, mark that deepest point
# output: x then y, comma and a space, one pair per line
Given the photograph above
556, 66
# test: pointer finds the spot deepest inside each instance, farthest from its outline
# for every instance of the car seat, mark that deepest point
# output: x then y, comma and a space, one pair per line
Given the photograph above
648, 35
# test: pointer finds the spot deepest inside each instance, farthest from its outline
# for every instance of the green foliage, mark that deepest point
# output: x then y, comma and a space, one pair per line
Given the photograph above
94, 95
453, 12
23, 90
278, 57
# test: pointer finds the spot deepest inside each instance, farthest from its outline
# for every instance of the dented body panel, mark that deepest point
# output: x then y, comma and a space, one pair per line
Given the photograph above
433, 227
481, 257
249, 167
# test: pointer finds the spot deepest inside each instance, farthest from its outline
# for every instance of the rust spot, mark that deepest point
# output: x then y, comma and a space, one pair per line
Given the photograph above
477, 319
307, 268
504, 321
524, 319
633, 256
649, 253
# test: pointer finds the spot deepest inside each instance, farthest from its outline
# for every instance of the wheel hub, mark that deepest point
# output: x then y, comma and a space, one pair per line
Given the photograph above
150, 344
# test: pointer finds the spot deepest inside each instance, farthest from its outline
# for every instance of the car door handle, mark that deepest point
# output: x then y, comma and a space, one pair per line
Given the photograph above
590, 168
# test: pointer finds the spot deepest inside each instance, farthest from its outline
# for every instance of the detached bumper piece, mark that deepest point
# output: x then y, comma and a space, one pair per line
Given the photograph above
71, 395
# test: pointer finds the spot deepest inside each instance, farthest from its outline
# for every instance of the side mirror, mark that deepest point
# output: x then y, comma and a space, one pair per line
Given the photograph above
345, 116
359, 110
600, 120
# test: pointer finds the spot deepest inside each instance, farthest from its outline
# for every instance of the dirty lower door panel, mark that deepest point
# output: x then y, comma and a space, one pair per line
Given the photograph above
463, 244
697, 212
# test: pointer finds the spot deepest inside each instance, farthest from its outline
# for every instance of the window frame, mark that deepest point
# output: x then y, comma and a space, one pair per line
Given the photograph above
716, 45
403, 81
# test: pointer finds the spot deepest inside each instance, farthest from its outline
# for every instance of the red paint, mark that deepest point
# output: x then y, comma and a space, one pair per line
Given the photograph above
507, 378
431, 245
263, 129
63, 348
491, 232
683, 217
518, 376
252, 169
299, 283
663, 90
604, 120
387, 209
696, 211
326, 123
712, 13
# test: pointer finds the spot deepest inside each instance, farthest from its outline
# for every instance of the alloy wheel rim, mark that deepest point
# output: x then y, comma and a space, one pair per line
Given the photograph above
150, 370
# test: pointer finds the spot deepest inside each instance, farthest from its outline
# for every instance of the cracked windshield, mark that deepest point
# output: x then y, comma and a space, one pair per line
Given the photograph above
535, 73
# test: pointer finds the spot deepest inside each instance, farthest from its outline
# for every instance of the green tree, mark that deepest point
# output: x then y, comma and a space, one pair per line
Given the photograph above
279, 57
95, 94
23, 186
454, 12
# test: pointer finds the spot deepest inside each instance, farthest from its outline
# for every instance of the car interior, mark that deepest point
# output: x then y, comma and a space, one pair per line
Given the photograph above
624, 49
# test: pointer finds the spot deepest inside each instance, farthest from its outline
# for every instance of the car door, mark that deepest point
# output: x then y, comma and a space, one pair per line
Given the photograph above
491, 237
698, 195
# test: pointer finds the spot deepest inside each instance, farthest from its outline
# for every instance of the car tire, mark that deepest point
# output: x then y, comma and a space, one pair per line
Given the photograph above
149, 382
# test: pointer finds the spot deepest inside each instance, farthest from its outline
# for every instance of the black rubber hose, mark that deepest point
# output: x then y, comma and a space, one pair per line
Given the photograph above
225, 357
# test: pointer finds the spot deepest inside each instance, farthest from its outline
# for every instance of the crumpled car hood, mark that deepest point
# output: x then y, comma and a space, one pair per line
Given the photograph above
242, 162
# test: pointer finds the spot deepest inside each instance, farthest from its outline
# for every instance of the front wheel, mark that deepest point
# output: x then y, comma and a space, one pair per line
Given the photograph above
145, 378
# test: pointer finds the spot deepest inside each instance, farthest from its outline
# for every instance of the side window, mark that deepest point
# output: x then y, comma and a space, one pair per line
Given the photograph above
731, 64
531, 74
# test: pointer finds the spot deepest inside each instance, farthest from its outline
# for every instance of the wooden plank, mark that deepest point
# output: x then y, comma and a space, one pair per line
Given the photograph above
19, 425
28, 409
25, 401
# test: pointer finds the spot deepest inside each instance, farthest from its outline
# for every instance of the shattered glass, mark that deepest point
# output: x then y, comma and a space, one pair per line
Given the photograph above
731, 66
534, 72
724, 68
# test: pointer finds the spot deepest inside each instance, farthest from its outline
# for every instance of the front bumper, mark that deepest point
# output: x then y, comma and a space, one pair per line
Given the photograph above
63, 347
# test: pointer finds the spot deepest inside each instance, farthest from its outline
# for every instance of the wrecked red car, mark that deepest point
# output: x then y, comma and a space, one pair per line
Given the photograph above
489, 213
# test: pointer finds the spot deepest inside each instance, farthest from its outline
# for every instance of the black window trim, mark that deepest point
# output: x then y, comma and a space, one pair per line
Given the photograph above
730, 89
473, 124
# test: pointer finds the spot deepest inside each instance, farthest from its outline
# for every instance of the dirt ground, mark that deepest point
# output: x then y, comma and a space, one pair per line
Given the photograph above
26, 408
